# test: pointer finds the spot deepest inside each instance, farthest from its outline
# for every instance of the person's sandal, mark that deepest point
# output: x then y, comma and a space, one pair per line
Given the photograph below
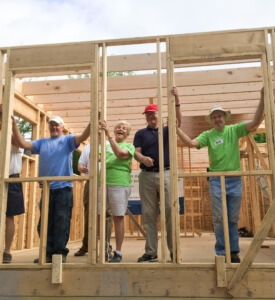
7, 257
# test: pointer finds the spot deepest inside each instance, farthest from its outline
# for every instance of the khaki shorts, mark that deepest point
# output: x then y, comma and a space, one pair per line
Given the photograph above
117, 199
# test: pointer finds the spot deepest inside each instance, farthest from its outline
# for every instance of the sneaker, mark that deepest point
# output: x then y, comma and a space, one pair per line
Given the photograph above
80, 252
147, 257
116, 258
235, 258
7, 257
48, 260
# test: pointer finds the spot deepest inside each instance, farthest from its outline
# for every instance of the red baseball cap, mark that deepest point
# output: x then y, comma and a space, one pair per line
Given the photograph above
150, 107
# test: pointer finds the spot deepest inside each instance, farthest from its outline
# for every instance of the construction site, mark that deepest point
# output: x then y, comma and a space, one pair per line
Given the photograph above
77, 80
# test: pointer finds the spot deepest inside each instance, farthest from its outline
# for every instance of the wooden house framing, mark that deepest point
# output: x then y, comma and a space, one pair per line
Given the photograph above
71, 80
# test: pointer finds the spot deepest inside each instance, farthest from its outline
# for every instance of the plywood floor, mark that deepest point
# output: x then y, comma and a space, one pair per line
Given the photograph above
194, 250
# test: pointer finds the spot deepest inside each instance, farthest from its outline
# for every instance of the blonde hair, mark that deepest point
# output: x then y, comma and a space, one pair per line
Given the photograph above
125, 123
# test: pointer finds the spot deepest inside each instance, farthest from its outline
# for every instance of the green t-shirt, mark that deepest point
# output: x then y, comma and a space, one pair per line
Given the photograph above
223, 147
118, 171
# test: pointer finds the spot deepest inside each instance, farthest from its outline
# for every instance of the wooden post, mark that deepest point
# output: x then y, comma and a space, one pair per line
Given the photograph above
244, 207
102, 238
268, 220
161, 157
5, 145
33, 189
220, 271
44, 222
93, 180
57, 269
225, 221
252, 182
173, 156
22, 217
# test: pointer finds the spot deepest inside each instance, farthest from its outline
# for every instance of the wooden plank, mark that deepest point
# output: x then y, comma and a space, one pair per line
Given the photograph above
196, 78
271, 86
93, 174
102, 240
31, 205
255, 147
250, 88
22, 217
74, 216
251, 253
173, 159
2, 74
5, 149
225, 221
127, 98
130, 63
57, 269
161, 159
44, 222
220, 271
189, 103
256, 217
136, 223
25, 111
268, 220
51, 56
208, 46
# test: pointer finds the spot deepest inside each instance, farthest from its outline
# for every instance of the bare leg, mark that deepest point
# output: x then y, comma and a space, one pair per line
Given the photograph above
9, 233
119, 231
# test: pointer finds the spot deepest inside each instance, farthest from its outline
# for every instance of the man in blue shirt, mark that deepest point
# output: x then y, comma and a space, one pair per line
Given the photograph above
55, 160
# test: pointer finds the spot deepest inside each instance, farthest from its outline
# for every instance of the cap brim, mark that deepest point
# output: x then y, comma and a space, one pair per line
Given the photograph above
227, 117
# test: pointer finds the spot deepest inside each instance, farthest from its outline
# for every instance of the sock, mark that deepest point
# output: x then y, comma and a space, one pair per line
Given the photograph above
118, 252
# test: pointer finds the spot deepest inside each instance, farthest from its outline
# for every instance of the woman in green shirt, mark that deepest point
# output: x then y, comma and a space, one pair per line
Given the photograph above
118, 178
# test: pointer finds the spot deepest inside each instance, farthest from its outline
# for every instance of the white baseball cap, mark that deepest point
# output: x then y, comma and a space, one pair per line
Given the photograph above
215, 108
57, 120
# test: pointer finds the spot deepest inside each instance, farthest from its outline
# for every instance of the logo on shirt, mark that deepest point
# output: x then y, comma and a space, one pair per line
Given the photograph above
218, 142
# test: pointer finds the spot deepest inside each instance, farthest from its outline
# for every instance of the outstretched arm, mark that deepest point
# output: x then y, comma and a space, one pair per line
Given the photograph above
17, 138
177, 104
83, 136
186, 139
257, 119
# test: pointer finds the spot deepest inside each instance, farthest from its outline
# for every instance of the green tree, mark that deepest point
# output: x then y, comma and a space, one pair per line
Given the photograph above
259, 137
25, 128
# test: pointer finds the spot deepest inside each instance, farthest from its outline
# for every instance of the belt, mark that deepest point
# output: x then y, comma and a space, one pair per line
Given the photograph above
14, 175
156, 170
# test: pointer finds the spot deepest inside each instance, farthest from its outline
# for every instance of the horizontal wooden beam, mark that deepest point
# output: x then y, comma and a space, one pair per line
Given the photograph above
51, 56
183, 79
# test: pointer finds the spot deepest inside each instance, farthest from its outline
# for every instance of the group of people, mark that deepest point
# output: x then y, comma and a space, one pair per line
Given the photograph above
55, 160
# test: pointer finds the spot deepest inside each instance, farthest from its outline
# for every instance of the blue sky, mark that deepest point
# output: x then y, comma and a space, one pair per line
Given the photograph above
57, 21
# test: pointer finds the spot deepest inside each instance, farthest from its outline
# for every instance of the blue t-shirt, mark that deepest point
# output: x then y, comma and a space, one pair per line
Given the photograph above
147, 140
55, 158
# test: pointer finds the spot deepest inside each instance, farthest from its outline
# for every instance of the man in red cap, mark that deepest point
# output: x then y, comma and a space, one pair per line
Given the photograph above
224, 155
147, 153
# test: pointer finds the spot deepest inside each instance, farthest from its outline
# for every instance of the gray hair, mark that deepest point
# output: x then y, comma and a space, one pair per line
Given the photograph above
124, 122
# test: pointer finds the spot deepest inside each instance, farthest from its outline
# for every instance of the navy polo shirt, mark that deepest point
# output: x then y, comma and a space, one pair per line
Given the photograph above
147, 140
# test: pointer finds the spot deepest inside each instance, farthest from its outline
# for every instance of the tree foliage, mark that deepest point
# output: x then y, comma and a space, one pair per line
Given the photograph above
259, 137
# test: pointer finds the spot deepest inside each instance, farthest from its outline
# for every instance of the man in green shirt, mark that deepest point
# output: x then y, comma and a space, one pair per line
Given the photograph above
224, 155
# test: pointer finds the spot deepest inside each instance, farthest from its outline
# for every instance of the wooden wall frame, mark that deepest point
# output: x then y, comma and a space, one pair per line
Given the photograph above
136, 280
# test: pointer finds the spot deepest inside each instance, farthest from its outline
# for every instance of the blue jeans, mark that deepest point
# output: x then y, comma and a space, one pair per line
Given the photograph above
59, 218
233, 187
